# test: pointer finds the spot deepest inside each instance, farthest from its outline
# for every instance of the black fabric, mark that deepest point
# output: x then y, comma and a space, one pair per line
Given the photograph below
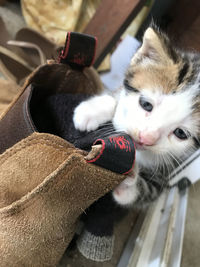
79, 50
118, 151
60, 108
101, 216
117, 154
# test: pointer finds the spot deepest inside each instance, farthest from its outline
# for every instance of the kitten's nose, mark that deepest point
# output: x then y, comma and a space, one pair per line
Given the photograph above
149, 138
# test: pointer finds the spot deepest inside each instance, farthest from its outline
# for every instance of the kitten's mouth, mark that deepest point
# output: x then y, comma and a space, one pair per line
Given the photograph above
140, 146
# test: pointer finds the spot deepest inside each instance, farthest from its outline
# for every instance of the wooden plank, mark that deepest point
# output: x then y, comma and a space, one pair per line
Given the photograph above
182, 14
191, 38
110, 21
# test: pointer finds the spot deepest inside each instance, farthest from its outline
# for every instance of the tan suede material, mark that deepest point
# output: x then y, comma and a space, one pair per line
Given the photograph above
8, 91
45, 184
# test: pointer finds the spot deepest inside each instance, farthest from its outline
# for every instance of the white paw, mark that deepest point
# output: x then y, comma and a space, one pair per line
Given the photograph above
85, 119
93, 112
126, 192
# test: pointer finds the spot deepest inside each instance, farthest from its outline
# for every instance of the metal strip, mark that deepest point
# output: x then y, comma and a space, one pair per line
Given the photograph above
170, 231
128, 250
173, 177
158, 241
159, 244
178, 236
144, 243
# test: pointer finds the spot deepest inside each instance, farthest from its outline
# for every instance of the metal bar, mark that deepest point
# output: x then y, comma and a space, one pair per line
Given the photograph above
128, 250
159, 244
157, 238
177, 244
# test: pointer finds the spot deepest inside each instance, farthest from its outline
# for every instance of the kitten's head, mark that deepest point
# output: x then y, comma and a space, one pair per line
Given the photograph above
160, 103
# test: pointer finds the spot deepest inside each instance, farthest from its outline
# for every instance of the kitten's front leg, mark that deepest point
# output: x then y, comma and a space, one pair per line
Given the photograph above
137, 190
126, 193
89, 114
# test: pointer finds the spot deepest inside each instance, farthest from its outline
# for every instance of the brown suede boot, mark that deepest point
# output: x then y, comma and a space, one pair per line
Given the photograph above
45, 182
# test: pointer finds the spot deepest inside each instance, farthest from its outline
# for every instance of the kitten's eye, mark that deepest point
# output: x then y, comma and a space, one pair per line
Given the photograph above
145, 104
181, 134
129, 88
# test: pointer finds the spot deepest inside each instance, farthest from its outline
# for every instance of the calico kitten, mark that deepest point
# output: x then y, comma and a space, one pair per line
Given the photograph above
159, 106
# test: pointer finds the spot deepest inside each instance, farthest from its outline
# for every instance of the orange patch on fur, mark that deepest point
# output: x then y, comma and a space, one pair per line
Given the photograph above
154, 77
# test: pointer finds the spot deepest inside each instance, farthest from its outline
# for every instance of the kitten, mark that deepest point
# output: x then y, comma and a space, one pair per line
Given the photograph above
159, 106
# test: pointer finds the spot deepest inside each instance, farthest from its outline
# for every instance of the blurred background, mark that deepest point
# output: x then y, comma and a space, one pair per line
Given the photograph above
44, 23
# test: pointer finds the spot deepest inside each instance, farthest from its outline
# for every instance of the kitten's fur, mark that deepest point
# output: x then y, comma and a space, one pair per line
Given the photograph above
159, 106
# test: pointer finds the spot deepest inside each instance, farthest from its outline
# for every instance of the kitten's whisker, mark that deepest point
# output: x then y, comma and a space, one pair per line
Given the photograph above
174, 158
108, 132
157, 164
166, 164
105, 130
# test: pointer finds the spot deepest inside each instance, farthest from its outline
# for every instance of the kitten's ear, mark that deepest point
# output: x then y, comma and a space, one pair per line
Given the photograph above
156, 48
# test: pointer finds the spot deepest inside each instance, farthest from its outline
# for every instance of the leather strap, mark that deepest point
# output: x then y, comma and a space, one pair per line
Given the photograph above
79, 50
